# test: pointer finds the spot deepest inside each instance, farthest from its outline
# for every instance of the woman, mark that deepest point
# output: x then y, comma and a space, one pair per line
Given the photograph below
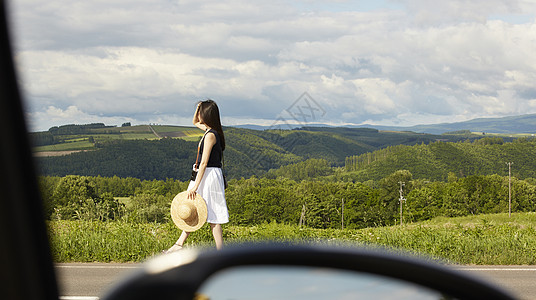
209, 180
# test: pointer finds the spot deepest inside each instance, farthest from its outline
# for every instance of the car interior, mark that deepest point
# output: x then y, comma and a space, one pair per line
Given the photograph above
249, 271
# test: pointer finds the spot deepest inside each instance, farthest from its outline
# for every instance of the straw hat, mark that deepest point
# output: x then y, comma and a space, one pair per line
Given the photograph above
189, 215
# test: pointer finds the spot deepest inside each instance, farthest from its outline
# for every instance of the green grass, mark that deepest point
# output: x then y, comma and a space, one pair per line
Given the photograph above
80, 144
139, 136
514, 135
123, 200
126, 129
191, 138
170, 128
86, 241
480, 240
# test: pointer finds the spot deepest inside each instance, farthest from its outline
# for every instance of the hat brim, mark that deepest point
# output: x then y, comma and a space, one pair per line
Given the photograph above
201, 210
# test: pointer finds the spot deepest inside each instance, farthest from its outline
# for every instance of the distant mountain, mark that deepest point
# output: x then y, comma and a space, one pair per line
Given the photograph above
252, 127
505, 125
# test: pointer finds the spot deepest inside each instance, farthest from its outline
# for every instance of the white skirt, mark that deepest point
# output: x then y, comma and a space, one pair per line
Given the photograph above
212, 189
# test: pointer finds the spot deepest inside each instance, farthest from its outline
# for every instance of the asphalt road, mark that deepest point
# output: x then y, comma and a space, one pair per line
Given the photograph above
89, 281
519, 280
85, 281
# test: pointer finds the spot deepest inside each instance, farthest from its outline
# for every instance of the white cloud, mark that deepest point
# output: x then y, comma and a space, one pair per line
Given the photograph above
456, 11
408, 62
53, 116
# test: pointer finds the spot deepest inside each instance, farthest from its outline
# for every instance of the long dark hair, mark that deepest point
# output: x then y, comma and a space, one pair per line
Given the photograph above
210, 114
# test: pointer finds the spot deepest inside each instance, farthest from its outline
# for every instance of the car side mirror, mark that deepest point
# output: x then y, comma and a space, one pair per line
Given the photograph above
276, 271
308, 282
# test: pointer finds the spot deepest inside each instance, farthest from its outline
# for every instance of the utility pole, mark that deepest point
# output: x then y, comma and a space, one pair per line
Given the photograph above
509, 188
302, 217
401, 199
342, 215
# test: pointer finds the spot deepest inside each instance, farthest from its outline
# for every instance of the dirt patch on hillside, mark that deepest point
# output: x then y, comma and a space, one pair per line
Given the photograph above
172, 134
56, 153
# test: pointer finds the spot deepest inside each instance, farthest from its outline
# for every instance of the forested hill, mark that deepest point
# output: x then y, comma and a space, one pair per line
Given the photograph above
249, 152
438, 160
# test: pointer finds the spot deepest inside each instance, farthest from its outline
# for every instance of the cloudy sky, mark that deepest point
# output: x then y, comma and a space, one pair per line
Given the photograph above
399, 62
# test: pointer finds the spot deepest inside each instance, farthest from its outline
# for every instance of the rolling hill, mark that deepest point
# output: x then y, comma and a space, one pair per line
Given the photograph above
160, 152
523, 124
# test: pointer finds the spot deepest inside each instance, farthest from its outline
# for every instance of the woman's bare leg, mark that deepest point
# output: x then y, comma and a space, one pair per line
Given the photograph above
182, 238
217, 232
178, 244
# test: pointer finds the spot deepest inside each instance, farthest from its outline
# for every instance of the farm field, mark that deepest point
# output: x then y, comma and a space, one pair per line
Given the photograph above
87, 141
76, 144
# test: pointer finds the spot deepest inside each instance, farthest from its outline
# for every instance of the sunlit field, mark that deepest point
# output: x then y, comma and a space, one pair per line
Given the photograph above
480, 240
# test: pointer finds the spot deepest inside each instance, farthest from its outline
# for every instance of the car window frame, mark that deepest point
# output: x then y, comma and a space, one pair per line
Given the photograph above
27, 270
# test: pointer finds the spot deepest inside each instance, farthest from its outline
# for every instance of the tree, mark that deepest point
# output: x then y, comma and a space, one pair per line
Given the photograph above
75, 197
425, 202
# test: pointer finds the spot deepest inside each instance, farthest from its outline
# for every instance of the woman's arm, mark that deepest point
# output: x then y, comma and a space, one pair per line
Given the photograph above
208, 144
197, 121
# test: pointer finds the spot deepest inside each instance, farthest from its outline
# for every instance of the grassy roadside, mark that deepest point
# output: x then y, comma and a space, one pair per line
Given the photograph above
480, 240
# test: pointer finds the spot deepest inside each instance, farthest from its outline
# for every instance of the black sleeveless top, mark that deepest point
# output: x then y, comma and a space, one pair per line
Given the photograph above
215, 154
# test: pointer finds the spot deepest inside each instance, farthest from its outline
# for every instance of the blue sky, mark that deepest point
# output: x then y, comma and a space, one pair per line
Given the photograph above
403, 62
